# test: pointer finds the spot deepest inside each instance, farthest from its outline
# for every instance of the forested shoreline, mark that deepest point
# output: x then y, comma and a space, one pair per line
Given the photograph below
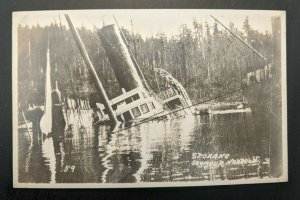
207, 60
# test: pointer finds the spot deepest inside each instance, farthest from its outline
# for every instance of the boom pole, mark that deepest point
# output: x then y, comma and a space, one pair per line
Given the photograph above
92, 70
241, 40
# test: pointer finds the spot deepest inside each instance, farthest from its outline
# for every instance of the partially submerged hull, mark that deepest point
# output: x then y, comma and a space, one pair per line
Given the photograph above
138, 101
134, 105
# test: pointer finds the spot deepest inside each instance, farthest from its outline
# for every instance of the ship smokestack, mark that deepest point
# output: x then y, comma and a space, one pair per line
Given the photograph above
119, 58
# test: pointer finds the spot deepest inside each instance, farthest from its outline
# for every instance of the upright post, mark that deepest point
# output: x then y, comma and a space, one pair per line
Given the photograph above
92, 70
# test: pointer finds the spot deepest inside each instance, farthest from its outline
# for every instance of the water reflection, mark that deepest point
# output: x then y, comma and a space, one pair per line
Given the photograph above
49, 156
194, 148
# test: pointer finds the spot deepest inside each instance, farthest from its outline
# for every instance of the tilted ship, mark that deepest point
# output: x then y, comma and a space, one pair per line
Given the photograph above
138, 101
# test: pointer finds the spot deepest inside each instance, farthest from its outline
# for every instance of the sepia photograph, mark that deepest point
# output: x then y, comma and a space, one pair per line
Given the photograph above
120, 98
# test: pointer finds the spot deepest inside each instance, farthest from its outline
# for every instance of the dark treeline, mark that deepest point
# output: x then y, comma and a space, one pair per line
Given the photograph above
207, 60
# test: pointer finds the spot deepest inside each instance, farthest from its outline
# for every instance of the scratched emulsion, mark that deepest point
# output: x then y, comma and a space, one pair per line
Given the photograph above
211, 147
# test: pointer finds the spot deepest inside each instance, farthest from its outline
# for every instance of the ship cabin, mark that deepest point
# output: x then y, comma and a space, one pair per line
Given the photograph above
173, 100
133, 105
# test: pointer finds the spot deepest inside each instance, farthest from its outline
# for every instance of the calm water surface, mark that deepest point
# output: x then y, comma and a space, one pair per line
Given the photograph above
196, 148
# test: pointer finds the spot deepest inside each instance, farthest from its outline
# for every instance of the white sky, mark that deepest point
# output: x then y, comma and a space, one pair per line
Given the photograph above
148, 22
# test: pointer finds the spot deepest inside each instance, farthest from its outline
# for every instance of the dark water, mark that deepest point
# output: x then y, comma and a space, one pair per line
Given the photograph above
196, 148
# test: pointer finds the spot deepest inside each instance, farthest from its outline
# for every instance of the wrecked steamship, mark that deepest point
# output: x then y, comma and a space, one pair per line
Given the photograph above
138, 101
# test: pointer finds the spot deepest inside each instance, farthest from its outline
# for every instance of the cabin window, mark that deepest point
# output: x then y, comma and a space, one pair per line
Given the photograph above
174, 104
128, 100
119, 118
136, 112
127, 116
114, 107
136, 97
121, 103
144, 108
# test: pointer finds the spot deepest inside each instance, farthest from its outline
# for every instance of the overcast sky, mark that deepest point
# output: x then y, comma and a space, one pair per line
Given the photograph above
148, 22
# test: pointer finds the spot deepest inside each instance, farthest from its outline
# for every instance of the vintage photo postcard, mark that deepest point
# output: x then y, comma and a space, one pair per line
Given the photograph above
149, 98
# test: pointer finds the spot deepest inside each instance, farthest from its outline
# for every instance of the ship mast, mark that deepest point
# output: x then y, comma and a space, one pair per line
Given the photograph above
92, 70
241, 40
